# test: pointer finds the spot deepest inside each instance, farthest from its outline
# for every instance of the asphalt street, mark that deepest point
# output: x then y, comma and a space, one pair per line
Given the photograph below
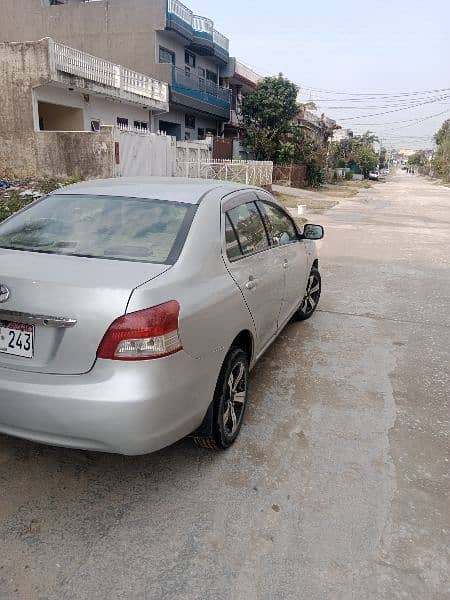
338, 487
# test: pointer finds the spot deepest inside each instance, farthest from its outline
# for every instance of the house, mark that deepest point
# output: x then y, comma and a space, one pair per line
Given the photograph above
162, 39
341, 134
320, 128
241, 80
57, 102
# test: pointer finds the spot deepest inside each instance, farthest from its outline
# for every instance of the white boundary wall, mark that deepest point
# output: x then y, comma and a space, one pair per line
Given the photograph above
141, 153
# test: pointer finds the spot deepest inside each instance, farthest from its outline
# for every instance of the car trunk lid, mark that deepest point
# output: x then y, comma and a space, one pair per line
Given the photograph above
70, 302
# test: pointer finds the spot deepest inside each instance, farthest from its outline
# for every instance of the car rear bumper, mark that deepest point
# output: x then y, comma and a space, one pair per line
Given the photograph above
123, 407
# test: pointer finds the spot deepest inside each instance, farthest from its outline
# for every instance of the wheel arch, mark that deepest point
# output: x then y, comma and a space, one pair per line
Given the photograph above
244, 341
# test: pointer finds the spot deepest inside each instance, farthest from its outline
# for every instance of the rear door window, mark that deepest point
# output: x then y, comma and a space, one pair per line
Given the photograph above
232, 243
108, 227
249, 228
280, 227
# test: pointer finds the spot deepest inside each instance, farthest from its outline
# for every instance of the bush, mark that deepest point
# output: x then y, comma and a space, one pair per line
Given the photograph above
348, 176
314, 175
14, 203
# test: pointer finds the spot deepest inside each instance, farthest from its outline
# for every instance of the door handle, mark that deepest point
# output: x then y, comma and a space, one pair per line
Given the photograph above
285, 263
251, 283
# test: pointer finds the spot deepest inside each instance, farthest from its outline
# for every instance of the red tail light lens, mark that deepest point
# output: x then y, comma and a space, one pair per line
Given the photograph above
143, 335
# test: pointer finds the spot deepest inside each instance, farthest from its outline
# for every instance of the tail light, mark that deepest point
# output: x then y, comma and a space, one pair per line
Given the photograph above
143, 335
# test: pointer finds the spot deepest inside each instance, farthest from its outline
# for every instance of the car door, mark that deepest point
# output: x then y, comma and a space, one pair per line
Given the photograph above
291, 253
251, 262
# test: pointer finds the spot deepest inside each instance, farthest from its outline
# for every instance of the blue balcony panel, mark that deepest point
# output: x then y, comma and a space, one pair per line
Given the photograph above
200, 95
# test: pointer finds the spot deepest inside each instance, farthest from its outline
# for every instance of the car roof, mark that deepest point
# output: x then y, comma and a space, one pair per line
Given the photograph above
174, 189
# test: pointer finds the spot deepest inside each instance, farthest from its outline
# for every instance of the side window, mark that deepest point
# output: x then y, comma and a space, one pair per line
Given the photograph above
249, 228
232, 243
279, 225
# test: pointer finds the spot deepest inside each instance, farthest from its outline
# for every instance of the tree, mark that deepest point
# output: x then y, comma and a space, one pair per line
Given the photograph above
443, 134
441, 159
356, 152
267, 114
366, 159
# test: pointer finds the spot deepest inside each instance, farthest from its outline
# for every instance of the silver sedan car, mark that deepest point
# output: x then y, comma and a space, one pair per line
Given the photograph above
131, 310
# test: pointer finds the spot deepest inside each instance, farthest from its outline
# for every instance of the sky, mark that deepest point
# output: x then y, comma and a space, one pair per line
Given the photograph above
354, 58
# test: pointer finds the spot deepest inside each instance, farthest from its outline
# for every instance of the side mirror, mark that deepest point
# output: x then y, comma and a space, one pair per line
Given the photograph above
313, 232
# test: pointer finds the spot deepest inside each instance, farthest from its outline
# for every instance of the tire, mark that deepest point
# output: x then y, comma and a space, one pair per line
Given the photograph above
229, 403
311, 298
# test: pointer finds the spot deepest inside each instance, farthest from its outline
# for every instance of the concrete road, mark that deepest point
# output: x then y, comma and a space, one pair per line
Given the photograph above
338, 488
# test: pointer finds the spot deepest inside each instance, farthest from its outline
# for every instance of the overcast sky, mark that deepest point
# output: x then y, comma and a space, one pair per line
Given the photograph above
383, 46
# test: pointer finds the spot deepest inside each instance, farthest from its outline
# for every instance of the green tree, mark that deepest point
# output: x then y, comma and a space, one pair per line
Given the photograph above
366, 159
443, 134
267, 114
441, 159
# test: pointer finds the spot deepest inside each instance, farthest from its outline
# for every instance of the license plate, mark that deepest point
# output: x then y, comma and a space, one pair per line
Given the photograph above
17, 339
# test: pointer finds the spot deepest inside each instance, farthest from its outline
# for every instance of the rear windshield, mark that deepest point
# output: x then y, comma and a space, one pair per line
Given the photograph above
110, 227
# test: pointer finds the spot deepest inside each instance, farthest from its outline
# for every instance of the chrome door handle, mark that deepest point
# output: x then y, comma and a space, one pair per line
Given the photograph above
251, 284
285, 263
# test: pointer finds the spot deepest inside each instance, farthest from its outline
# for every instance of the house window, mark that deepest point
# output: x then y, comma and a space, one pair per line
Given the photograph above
201, 133
122, 122
211, 76
189, 59
187, 71
187, 136
189, 121
141, 125
166, 56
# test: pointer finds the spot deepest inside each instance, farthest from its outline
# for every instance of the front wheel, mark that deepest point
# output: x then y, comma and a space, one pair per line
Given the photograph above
230, 399
311, 297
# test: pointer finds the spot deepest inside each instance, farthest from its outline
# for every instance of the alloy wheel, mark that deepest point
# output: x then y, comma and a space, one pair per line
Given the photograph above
312, 295
234, 401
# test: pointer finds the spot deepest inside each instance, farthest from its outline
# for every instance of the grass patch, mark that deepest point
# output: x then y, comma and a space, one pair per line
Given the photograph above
340, 192
8, 206
310, 203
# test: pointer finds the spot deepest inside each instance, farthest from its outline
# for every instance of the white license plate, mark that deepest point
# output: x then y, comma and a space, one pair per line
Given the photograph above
17, 339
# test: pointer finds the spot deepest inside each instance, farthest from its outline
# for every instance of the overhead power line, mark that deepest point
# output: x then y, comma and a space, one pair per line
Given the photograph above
392, 111
385, 94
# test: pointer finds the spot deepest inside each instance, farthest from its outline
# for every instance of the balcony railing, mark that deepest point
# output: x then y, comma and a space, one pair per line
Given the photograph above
180, 10
221, 40
193, 82
202, 25
78, 63
198, 24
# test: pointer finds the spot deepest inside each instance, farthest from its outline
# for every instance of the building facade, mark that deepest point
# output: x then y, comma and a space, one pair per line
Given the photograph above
56, 102
162, 39
240, 80
320, 128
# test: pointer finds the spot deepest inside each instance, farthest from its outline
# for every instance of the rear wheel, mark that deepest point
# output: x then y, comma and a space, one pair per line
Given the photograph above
311, 297
230, 399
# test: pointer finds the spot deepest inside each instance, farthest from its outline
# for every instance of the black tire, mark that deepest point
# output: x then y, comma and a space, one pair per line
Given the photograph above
228, 405
311, 298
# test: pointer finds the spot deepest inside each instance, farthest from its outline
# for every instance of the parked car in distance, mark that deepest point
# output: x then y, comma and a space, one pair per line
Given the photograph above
374, 175
131, 310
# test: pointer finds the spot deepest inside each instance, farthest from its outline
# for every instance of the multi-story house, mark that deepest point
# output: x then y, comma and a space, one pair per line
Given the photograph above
320, 128
162, 39
241, 80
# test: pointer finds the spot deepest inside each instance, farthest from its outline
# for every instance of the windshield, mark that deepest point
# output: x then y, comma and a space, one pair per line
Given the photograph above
112, 227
